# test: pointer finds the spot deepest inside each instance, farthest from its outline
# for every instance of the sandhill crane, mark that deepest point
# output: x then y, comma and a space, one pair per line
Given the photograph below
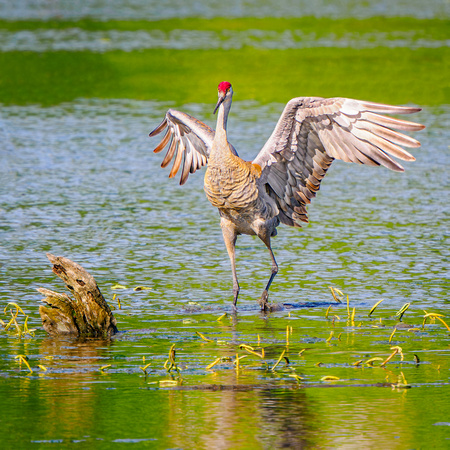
254, 197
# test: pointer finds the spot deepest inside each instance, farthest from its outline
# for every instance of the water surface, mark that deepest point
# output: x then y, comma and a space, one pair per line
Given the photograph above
78, 178
138, 9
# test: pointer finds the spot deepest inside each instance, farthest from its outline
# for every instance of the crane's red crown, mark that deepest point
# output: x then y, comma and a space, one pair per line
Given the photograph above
224, 86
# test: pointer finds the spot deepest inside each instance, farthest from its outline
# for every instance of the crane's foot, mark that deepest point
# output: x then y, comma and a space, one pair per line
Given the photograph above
263, 301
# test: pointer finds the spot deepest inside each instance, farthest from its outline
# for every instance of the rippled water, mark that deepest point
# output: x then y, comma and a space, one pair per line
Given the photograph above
139, 9
76, 39
80, 180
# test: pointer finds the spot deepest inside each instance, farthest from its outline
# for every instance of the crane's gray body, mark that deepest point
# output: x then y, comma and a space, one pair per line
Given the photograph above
254, 197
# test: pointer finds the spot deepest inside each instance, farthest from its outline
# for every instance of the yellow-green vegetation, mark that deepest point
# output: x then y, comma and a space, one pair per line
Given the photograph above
13, 327
372, 336
338, 348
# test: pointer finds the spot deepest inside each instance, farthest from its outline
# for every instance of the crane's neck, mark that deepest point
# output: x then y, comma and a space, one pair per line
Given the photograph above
221, 150
222, 117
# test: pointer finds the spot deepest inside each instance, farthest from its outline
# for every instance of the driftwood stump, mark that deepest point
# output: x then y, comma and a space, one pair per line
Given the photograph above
87, 316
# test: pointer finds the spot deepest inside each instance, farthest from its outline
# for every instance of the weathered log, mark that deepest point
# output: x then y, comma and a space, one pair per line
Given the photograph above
88, 315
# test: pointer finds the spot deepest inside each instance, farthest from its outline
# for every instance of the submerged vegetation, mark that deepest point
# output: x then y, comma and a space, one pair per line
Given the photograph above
304, 346
13, 327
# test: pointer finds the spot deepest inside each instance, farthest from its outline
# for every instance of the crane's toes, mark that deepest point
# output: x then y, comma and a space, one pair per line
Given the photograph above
263, 301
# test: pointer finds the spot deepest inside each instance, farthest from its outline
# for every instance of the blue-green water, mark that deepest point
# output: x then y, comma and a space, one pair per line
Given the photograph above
78, 178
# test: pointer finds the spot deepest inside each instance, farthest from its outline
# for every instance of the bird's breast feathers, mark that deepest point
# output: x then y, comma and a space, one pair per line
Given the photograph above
235, 190
232, 185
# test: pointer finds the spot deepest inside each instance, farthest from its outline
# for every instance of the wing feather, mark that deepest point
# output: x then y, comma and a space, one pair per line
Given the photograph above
187, 161
165, 141
312, 132
382, 144
177, 160
185, 137
388, 134
387, 121
170, 153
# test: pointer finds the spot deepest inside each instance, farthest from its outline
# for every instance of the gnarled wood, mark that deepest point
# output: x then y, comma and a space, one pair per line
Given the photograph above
88, 315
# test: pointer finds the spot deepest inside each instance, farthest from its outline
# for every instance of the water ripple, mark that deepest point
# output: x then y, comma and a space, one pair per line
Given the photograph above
76, 39
154, 9
80, 180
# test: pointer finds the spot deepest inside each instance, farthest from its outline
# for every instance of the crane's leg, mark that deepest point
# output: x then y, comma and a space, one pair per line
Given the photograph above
229, 236
265, 295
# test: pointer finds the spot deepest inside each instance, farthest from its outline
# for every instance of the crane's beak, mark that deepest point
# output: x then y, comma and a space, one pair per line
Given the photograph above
219, 102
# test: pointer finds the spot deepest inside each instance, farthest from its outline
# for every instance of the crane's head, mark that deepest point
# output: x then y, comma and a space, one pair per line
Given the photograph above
225, 92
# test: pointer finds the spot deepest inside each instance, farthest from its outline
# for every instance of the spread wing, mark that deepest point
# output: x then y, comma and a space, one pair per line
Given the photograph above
312, 132
185, 136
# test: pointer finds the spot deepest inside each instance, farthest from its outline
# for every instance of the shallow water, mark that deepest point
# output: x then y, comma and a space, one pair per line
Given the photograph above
78, 178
